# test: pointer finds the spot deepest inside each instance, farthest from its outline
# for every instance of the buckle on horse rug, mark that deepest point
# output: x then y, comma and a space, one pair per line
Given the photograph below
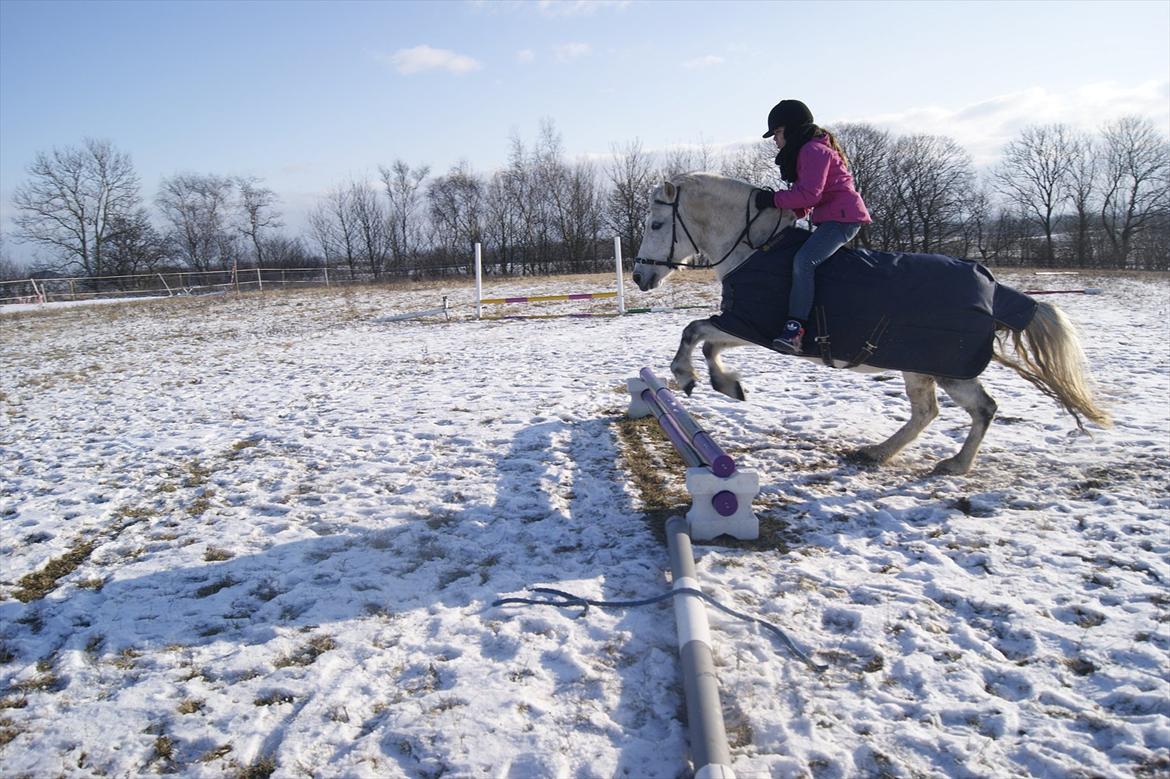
863, 354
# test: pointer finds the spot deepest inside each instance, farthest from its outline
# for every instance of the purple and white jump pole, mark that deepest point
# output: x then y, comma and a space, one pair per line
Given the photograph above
721, 494
721, 501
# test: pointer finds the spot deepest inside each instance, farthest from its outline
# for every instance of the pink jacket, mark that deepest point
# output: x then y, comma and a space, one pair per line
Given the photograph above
824, 185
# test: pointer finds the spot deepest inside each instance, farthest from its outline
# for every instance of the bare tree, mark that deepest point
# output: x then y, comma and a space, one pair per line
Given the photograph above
754, 163
502, 228
282, 251
536, 179
550, 179
1034, 176
404, 191
332, 225
976, 224
134, 246
521, 185
931, 176
258, 212
1135, 182
9, 270
868, 150
631, 180
680, 159
371, 225
580, 216
73, 197
1083, 173
198, 209
456, 209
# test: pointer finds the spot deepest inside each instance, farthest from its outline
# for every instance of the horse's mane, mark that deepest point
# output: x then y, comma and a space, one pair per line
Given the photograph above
713, 183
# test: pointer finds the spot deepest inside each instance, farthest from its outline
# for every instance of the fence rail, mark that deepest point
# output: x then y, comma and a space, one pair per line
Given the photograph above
170, 283
185, 282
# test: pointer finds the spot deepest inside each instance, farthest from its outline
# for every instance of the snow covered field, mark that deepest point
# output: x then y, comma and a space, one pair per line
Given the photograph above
261, 536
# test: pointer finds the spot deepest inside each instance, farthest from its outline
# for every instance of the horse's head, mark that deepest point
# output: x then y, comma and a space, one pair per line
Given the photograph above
715, 216
666, 243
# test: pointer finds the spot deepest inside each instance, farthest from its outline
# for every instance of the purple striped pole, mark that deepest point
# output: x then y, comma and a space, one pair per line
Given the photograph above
725, 503
710, 453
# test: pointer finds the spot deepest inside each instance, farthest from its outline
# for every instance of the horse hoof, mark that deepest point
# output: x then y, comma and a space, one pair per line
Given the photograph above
950, 467
863, 457
732, 389
689, 387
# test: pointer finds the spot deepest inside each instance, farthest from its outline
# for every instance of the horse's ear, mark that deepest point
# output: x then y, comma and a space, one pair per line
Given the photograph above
668, 190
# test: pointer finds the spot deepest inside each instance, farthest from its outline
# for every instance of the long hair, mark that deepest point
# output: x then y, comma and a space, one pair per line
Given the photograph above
794, 139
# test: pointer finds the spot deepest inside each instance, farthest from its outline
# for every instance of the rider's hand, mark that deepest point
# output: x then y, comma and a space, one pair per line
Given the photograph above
764, 199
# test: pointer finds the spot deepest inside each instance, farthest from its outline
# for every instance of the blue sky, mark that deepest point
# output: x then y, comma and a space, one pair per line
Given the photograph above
308, 94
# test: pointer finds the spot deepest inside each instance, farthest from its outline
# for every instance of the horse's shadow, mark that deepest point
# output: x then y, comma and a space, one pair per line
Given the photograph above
559, 512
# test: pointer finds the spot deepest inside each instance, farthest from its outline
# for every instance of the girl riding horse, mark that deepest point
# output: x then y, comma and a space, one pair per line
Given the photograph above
814, 165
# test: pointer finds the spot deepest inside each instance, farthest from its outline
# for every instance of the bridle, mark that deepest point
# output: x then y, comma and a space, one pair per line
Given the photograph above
676, 219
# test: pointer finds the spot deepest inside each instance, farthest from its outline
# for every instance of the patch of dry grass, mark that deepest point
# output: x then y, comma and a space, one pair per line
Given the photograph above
210, 589
190, 706
262, 768
307, 654
8, 731
40, 583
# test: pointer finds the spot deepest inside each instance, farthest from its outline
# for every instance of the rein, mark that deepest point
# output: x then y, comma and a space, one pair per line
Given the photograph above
676, 218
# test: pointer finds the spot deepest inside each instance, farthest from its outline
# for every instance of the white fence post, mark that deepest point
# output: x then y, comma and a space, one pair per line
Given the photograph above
617, 261
478, 282
259, 280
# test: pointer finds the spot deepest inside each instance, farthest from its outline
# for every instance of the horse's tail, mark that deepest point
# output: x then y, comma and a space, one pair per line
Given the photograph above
1049, 355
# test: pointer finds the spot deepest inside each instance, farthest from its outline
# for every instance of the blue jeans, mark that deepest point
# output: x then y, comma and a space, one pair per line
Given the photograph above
826, 239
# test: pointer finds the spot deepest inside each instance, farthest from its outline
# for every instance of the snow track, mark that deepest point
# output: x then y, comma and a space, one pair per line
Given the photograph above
265, 532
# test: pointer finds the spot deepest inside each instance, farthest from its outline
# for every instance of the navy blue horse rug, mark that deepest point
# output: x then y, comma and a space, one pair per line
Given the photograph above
925, 313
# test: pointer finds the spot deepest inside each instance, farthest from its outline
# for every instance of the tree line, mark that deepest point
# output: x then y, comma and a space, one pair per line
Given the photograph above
1057, 197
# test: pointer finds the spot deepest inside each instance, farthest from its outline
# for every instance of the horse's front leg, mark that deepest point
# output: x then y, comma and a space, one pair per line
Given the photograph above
714, 342
722, 380
680, 366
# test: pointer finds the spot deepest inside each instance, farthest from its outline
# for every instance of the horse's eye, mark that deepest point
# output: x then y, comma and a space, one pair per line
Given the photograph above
655, 225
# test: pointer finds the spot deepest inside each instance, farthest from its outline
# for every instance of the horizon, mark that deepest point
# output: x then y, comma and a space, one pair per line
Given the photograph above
319, 97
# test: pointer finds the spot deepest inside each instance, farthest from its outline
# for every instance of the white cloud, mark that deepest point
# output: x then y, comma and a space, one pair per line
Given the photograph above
571, 51
984, 128
422, 58
525, 56
708, 61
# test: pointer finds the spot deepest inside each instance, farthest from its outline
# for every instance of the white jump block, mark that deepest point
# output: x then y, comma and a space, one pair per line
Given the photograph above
705, 522
638, 407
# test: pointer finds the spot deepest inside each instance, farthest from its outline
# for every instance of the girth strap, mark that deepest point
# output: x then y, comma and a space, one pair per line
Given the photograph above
822, 338
863, 354
871, 343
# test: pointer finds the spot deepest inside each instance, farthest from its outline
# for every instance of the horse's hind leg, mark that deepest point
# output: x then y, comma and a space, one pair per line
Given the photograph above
923, 410
971, 397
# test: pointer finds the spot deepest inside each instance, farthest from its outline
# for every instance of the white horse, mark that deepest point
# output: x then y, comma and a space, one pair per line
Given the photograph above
717, 219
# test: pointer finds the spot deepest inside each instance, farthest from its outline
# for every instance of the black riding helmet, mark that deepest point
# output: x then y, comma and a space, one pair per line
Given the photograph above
788, 113
799, 129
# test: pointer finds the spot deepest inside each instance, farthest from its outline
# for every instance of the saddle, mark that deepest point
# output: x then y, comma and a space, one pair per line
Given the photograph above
924, 313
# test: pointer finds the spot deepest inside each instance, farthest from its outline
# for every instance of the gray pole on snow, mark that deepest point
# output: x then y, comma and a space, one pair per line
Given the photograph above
709, 751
